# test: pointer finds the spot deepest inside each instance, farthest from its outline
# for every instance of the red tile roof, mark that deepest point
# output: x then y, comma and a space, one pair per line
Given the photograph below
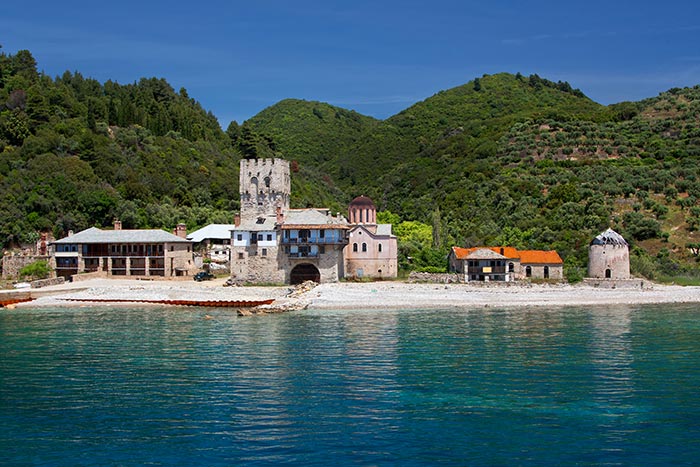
539, 257
525, 256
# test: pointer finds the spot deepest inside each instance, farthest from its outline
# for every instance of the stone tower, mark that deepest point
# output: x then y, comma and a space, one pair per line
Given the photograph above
608, 256
265, 186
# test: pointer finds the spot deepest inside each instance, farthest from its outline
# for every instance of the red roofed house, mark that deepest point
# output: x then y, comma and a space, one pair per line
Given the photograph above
484, 264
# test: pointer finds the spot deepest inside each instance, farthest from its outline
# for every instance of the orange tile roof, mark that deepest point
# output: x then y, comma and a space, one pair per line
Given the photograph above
525, 256
540, 257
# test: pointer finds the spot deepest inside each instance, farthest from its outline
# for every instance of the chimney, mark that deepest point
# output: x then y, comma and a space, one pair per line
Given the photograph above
237, 220
181, 230
70, 233
280, 216
117, 224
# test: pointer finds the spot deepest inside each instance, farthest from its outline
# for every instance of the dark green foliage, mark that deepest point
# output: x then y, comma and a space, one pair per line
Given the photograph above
504, 159
76, 153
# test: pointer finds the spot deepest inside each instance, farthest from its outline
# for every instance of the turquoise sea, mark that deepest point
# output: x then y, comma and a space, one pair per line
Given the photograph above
174, 387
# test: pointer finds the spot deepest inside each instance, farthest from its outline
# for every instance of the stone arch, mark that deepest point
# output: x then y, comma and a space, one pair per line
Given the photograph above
304, 272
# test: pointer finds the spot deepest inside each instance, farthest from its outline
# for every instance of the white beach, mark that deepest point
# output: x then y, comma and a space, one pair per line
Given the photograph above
373, 295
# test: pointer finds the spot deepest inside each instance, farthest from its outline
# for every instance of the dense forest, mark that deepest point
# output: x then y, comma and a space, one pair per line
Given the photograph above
504, 159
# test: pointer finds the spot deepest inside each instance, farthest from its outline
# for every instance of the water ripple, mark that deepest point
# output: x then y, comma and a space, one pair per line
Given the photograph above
487, 387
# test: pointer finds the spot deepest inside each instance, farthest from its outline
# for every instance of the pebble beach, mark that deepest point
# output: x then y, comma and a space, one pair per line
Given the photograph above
365, 295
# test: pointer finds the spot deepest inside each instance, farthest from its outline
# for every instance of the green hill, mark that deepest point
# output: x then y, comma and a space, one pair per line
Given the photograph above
503, 159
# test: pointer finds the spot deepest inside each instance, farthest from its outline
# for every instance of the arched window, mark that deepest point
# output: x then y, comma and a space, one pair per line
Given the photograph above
364, 247
267, 182
528, 271
608, 273
379, 247
354, 247
511, 267
546, 272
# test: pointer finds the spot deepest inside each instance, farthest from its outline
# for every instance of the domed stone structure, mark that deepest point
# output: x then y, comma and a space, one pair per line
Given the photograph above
608, 256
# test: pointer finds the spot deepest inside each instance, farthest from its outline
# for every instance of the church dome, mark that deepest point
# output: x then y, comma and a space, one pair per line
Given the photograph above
362, 211
362, 201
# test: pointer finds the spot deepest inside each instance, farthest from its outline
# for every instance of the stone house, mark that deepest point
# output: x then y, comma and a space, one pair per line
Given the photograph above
213, 241
118, 252
516, 264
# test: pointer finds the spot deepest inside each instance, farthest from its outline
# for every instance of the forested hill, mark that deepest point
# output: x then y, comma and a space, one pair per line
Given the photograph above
76, 153
516, 160
503, 159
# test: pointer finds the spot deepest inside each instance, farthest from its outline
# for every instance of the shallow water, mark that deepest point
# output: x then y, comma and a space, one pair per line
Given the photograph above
167, 386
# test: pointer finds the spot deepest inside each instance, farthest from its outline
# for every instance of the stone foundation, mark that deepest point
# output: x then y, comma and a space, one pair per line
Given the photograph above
618, 283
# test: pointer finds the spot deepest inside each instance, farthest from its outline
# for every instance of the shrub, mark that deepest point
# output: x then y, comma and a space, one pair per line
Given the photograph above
36, 270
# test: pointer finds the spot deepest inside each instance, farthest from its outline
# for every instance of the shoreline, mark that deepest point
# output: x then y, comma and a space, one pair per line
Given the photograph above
353, 295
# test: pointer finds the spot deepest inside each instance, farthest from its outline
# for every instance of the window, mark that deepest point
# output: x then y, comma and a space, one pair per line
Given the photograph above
264, 252
546, 272
267, 182
364, 247
511, 267
269, 237
354, 247
608, 273
240, 255
528, 271
239, 237
260, 237
379, 247
322, 234
322, 249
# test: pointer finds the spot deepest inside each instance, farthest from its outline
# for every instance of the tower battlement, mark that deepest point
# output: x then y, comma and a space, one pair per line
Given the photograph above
265, 186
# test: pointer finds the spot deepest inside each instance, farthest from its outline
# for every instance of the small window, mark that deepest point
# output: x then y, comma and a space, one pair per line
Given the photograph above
528, 271
322, 249
354, 247
269, 237
264, 252
260, 237
364, 247
239, 237
379, 248
172, 248
240, 255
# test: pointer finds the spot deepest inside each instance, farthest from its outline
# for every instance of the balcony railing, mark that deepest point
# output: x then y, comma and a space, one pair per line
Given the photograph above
303, 254
314, 241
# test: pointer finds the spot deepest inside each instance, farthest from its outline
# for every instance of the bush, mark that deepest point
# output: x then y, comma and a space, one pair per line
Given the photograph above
36, 270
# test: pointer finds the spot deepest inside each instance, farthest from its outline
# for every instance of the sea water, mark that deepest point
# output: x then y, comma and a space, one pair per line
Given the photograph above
194, 386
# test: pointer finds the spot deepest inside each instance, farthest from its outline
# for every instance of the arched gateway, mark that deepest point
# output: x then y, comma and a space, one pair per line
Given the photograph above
304, 272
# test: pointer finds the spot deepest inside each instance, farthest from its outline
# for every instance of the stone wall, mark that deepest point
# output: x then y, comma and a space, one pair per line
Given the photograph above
47, 282
12, 264
618, 283
436, 278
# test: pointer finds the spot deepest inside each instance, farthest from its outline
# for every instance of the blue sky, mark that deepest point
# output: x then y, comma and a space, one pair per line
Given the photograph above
376, 57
